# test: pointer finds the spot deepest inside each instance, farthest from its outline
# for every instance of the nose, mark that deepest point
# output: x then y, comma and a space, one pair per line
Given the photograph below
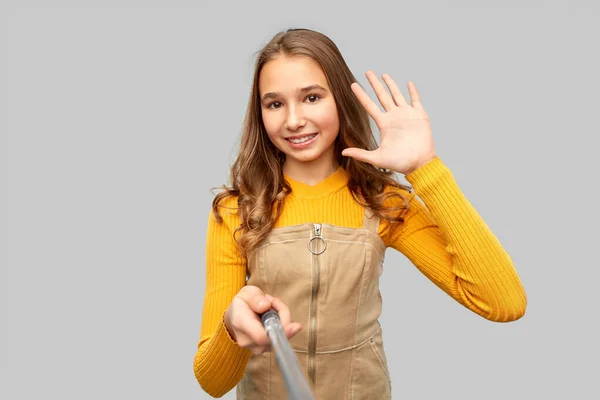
295, 118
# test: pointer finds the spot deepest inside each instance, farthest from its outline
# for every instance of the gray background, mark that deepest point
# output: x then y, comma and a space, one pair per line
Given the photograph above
119, 116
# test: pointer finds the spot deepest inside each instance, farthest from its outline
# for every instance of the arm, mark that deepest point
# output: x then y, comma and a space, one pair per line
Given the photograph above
220, 363
452, 246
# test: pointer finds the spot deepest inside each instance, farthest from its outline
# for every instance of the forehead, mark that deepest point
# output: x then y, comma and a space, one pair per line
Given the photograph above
289, 73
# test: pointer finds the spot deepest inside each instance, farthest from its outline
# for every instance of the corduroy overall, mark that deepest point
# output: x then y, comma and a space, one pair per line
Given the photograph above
329, 278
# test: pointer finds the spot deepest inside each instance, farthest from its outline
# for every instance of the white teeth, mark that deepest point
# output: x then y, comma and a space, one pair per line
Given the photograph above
302, 140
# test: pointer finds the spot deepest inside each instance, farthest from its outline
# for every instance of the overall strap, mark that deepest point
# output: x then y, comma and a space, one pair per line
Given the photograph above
371, 221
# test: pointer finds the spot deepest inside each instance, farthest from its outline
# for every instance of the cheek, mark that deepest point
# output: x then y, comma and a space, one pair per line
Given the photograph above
271, 126
328, 118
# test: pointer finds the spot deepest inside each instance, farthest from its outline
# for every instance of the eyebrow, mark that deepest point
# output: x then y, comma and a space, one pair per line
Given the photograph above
272, 95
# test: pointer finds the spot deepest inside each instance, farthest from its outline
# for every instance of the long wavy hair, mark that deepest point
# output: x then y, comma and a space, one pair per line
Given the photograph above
257, 173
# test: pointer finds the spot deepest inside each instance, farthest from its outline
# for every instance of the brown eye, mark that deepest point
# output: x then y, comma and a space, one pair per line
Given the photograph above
314, 96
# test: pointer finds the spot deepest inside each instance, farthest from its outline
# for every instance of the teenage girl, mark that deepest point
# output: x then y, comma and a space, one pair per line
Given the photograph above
312, 207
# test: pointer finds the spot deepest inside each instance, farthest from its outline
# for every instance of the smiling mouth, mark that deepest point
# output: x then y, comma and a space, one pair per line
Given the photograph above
298, 140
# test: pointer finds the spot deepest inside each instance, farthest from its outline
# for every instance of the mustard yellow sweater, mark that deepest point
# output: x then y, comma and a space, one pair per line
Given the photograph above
446, 240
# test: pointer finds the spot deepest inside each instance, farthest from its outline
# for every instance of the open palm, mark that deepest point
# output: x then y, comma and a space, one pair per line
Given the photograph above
406, 138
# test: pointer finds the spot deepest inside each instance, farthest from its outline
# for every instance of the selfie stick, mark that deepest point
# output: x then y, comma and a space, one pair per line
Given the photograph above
296, 384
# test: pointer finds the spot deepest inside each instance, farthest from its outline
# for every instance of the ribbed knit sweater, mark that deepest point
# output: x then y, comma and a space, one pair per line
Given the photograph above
445, 238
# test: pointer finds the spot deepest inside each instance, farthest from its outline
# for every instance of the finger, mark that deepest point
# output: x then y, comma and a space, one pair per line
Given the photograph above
366, 101
292, 329
248, 326
370, 157
282, 310
382, 94
257, 334
255, 298
394, 90
415, 99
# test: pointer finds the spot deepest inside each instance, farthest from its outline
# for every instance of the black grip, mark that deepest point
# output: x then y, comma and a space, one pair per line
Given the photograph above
269, 313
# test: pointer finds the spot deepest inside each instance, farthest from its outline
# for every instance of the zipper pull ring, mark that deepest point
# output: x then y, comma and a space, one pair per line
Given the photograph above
314, 248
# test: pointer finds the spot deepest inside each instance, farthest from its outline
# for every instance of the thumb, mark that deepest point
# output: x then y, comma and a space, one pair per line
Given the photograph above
361, 155
255, 299
260, 304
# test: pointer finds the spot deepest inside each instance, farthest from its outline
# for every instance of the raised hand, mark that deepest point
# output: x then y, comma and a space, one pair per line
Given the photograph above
406, 138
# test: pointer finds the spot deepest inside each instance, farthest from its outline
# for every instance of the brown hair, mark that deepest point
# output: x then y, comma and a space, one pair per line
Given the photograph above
257, 173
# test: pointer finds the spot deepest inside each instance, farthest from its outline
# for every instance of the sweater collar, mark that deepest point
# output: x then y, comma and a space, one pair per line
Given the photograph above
332, 183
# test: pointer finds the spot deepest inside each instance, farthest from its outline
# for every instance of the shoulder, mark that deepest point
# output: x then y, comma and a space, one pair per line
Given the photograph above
227, 203
398, 196
225, 210
399, 201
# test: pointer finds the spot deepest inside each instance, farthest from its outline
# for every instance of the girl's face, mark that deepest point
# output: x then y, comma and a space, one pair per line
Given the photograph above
298, 110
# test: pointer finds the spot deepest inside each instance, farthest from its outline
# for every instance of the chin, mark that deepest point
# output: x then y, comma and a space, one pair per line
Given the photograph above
305, 158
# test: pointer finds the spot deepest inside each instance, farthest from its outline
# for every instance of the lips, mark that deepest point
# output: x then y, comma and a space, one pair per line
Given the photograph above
302, 141
296, 137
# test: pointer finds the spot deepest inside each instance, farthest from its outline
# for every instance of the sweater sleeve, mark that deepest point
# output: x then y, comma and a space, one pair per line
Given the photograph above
220, 363
452, 246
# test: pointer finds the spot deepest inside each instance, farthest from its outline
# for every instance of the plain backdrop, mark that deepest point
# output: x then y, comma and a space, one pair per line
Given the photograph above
118, 117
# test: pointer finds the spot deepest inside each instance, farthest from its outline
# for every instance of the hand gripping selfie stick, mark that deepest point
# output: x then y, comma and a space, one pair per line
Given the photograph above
296, 384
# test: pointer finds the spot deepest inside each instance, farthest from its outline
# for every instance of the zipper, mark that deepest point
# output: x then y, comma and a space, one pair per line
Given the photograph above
312, 342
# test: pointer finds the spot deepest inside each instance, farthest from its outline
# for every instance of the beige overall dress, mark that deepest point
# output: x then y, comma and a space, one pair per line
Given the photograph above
329, 278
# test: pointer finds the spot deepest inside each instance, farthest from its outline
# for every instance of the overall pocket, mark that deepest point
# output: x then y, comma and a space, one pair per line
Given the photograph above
370, 376
377, 348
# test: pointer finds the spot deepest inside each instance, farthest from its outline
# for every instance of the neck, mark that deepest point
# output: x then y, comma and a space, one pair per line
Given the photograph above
311, 172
